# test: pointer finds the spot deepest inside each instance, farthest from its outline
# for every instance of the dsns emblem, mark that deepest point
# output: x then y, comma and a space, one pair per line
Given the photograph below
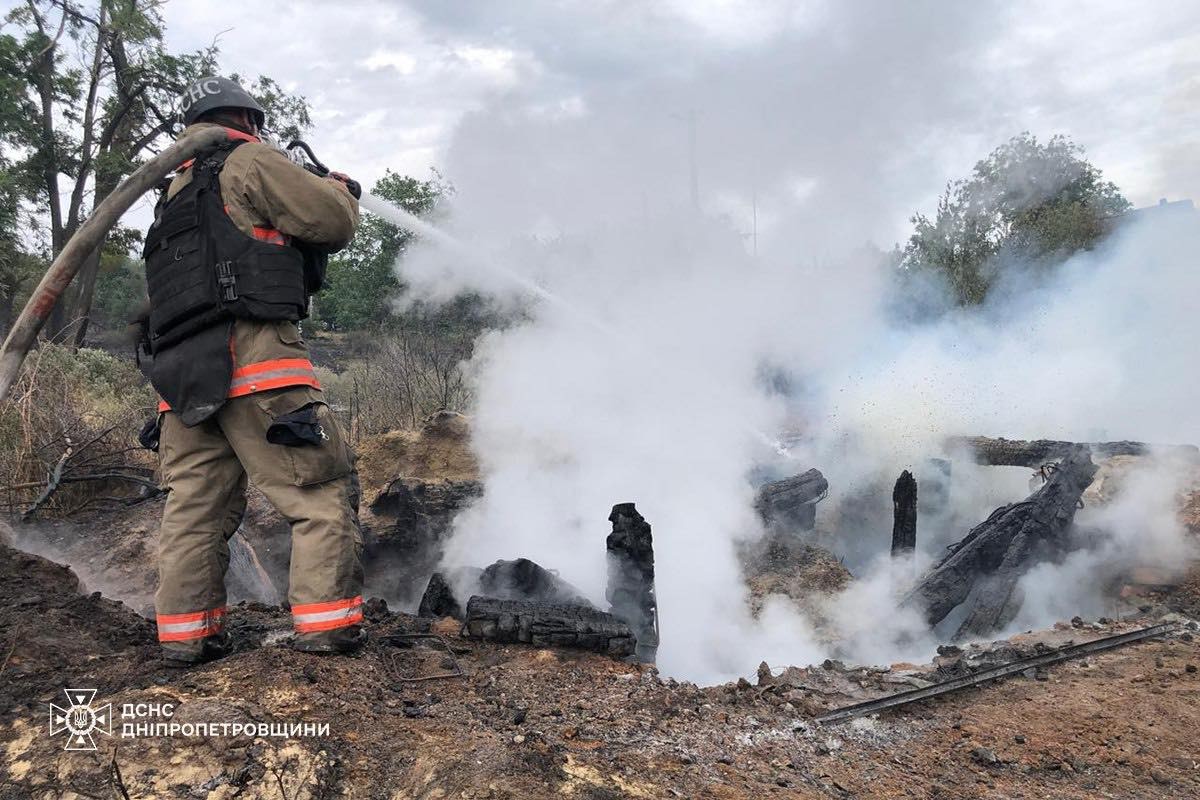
79, 720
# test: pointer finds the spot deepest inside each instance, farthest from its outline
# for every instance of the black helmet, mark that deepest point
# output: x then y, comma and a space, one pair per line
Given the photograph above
209, 93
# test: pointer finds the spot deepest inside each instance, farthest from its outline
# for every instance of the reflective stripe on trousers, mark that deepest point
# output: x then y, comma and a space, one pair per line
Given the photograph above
313, 617
276, 373
194, 625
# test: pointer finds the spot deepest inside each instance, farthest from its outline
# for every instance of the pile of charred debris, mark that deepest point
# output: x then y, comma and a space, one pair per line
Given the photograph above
973, 587
520, 601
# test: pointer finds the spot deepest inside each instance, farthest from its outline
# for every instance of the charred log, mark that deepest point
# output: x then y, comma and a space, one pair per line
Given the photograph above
983, 569
404, 541
426, 504
904, 514
548, 625
522, 579
630, 588
791, 503
438, 600
1033, 454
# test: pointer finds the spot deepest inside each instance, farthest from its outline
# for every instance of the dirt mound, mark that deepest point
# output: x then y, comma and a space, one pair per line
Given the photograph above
116, 553
440, 451
1189, 512
51, 635
112, 552
783, 564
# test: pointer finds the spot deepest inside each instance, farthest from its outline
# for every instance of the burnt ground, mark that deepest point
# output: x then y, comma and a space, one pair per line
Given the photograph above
527, 723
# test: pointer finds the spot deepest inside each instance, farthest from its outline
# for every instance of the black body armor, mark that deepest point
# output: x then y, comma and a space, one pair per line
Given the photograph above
203, 273
201, 270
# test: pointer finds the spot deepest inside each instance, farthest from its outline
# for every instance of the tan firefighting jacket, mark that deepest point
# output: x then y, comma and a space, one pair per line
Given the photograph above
274, 200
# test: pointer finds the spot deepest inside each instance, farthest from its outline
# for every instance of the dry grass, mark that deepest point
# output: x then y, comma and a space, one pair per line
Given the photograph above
71, 424
406, 376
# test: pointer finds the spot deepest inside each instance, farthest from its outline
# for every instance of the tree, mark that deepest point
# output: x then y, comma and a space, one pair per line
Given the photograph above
91, 113
361, 279
1028, 204
18, 268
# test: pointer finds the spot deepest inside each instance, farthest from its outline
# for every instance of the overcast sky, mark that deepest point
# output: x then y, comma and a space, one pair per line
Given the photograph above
862, 108
391, 81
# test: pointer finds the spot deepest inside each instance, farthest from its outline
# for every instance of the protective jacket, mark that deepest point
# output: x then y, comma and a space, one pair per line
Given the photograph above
226, 274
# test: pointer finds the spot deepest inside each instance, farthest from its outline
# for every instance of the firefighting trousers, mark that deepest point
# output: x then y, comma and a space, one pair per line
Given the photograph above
309, 480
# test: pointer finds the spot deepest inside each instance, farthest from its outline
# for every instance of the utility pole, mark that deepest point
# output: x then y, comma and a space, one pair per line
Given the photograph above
695, 178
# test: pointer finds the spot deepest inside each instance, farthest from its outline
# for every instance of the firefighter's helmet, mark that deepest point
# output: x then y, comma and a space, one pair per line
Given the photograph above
212, 92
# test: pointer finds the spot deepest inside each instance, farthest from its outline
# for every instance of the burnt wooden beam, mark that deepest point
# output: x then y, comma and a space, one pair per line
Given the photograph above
548, 625
982, 570
904, 514
630, 589
791, 503
1035, 453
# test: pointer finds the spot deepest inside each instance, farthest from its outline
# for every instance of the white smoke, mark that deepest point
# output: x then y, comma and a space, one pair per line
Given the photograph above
1139, 528
646, 382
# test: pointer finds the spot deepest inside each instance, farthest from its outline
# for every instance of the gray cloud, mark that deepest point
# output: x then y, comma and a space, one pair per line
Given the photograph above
912, 92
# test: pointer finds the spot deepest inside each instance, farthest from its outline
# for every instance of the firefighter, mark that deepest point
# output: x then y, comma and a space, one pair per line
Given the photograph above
237, 247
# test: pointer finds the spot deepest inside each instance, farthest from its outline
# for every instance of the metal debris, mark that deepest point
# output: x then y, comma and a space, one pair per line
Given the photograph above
391, 658
1001, 671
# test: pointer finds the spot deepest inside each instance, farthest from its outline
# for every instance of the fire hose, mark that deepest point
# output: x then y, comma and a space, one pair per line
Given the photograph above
92, 232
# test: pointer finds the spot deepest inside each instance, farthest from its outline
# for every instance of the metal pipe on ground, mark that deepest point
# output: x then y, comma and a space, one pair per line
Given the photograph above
1001, 671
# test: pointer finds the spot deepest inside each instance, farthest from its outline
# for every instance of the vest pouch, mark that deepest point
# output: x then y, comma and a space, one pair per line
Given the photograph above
181, 287
193, 374
272, 290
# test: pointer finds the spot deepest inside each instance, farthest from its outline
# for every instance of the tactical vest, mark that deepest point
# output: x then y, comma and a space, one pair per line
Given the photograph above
202, 270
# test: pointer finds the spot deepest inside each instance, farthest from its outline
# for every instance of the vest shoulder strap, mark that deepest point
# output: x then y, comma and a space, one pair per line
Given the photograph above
208, 164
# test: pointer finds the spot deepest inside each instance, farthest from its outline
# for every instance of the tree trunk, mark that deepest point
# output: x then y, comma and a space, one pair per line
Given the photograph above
49, 154
115, 140
82, 308
983, 569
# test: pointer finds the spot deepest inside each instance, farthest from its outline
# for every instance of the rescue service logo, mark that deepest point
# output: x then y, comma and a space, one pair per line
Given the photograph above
79, 720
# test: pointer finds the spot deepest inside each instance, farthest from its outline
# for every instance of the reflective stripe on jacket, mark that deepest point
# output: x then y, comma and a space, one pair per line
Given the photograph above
276, 373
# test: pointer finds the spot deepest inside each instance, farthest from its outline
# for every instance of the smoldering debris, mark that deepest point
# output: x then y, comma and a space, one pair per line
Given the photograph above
522, 602
1021, 453
438, 599
630, 588
522, 579
978, 579
544, 624
791, 503
904, 515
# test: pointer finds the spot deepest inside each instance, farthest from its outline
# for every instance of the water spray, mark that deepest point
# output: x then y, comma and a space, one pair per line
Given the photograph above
299, 152
411, 222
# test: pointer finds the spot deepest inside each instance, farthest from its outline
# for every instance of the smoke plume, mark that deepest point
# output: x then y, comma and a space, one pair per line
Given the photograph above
681, 324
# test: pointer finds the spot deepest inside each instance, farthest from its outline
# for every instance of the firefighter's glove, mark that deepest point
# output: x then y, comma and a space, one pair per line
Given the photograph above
297, 429
148, 438
351, 184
